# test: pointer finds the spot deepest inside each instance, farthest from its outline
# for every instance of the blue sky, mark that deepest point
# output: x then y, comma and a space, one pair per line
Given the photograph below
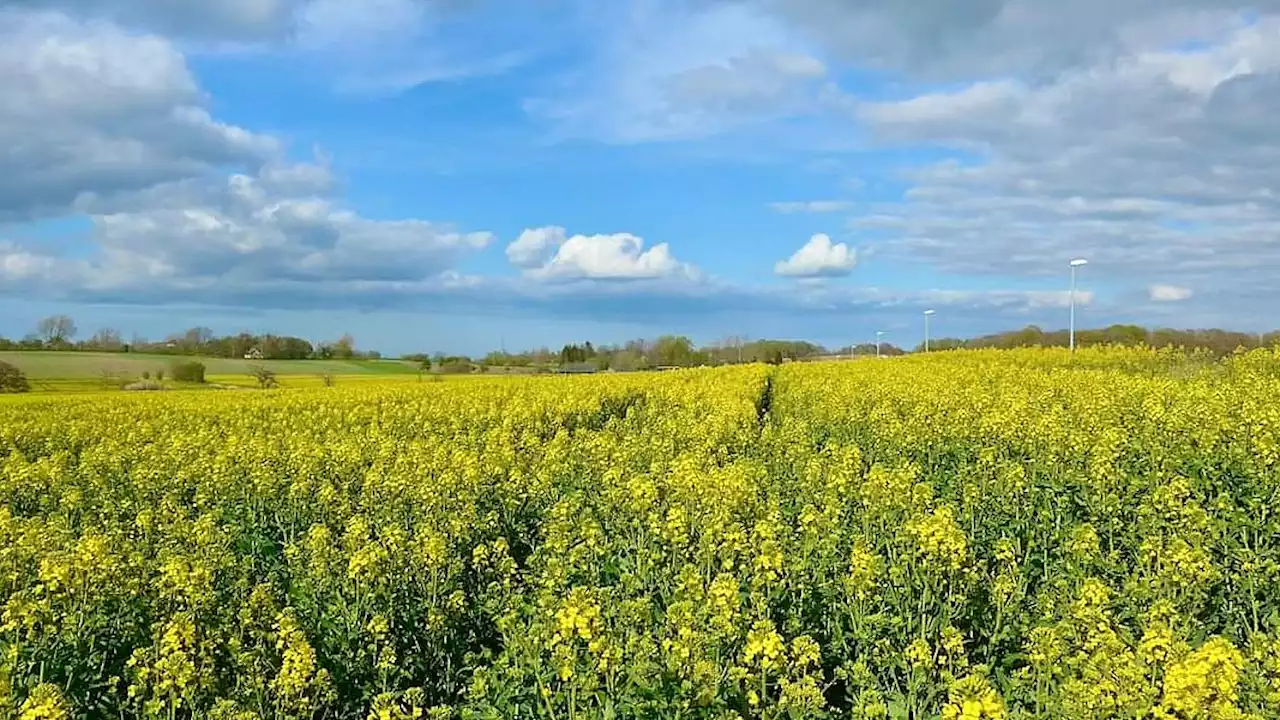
458, 174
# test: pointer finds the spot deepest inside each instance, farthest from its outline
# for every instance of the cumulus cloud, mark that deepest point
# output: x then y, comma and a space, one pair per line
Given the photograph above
1168, 293
819, 258
811, 206
535, 246
550, 253
1159, 163
247, 235
90, 110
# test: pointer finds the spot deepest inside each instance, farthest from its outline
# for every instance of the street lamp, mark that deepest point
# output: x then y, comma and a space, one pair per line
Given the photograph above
927, 314
1078, 262
878, 336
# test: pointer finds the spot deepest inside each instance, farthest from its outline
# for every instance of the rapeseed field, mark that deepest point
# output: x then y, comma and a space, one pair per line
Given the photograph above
970, 535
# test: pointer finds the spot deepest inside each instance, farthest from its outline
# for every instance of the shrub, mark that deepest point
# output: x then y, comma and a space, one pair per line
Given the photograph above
188, 371
266, 378
328, 379
160, 374
146, 374
455, 366
12, 380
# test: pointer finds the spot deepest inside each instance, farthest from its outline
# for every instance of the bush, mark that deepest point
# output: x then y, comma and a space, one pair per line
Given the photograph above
12, 380
455, 366
266, 377
188, 371
146, 374
160, 374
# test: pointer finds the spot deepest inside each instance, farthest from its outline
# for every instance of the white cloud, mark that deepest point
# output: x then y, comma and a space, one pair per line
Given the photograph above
536, 246
244, 236
549, 253
819, 258
948, 115
1168, 293
89, 111
811, 206
1157, 164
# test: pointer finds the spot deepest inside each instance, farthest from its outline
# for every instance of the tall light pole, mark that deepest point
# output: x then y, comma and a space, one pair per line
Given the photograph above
1078, 262
878, 335
927, 315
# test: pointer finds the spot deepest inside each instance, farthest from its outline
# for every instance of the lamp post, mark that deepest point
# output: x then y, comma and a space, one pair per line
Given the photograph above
1078, 262
927, 315
878, 335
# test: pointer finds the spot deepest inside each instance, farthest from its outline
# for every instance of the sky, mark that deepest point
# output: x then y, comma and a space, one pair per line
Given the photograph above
463, 175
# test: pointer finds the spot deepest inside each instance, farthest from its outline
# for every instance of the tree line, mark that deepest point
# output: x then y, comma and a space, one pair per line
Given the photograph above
59, 332
663, 352
1213, 340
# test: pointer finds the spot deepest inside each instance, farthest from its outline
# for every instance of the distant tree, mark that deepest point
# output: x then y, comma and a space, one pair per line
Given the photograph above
196, 338
862, 349
107, 339
272, 347
12, 380
56, 329
345, 347
628, 361
573, 354
265, 376
455, 365
327, 378
675, 351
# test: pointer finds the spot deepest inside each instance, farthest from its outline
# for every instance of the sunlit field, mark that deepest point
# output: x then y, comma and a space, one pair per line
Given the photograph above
984, 534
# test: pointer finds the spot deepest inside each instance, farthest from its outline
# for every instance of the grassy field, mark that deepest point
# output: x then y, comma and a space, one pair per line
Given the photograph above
90, 366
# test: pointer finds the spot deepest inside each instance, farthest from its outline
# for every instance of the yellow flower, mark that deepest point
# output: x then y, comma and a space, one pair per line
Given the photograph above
764, 648
44, 703
919, 655
1203, 685
973, 698
939, 539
